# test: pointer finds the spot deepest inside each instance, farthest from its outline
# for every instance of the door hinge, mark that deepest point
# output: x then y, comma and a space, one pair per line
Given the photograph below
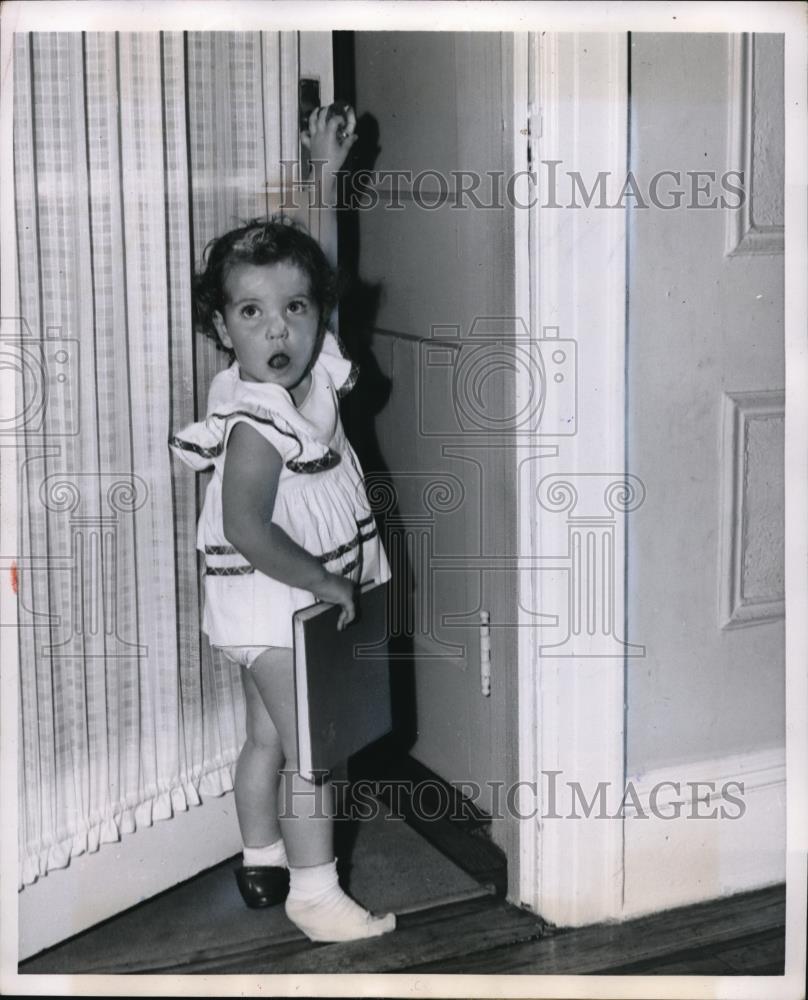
485, 653
534, 131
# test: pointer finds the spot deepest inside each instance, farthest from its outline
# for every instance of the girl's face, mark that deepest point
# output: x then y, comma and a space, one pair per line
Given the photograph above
271, 323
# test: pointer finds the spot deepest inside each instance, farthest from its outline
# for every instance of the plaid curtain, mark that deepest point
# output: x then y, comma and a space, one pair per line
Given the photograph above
131, 152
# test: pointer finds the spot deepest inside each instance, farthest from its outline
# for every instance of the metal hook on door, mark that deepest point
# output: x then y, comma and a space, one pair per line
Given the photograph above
485, 653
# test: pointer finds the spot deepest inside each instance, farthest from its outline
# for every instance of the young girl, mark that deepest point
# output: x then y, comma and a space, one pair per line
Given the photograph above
285, 522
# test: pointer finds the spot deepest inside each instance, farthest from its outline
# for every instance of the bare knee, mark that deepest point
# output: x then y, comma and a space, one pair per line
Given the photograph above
271, 679
262, 743
261, 732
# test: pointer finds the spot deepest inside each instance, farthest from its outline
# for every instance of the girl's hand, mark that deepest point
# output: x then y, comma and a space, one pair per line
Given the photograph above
328, 141
337, 590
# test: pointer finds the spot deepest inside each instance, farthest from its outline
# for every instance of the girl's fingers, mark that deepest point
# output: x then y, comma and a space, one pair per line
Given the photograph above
343, 124
345, 121
350, 121
318, 120
347, 616
321, 118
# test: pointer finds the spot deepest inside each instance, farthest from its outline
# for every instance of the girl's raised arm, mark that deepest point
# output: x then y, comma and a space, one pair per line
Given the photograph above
252, 469
328, 143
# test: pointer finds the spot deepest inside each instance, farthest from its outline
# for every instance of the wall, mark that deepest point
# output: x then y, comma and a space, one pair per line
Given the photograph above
705, 434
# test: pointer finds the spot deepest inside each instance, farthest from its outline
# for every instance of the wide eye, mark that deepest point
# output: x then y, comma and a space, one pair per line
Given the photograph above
249, 311
297, 306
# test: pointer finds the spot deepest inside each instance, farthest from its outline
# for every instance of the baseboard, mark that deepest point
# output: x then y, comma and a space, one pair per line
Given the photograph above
95, 887
731, 840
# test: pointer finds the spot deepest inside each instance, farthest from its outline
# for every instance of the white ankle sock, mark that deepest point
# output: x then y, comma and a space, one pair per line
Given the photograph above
307, 884
318, 906
271, 856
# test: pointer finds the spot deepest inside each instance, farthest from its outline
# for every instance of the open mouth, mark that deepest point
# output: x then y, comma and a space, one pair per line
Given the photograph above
279, 361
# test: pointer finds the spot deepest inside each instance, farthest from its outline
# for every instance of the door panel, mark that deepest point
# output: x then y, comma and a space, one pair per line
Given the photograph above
445, 267
439, 511
706, 374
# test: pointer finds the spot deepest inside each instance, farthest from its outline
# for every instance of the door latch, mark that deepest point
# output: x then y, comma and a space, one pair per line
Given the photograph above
308, 98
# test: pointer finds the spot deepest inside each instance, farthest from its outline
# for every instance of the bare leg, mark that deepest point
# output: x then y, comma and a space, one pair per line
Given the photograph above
306, 810
316, 903
257, 772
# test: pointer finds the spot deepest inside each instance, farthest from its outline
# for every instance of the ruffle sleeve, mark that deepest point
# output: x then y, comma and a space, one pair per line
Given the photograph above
334, 359
267, 408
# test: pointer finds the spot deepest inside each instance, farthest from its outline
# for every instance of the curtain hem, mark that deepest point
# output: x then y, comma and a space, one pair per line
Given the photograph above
108, 830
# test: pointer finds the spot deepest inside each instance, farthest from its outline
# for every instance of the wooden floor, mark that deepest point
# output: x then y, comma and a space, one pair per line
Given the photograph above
740, 935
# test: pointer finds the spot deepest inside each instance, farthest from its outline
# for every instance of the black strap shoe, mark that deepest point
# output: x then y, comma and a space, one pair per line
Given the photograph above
262, 886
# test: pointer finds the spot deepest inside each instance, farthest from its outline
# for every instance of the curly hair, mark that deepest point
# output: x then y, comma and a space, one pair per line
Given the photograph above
261, 241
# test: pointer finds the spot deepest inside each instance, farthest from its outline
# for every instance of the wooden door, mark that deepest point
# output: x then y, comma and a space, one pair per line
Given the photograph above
706, 436
434, 104
706, 387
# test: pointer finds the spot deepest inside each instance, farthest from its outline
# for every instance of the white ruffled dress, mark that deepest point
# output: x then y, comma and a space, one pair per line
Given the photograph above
320, 502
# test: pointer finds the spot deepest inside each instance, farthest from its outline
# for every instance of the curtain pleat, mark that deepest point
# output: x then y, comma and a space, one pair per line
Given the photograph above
131, 152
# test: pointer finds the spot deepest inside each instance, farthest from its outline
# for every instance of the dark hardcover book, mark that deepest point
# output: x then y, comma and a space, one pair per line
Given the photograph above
342, 680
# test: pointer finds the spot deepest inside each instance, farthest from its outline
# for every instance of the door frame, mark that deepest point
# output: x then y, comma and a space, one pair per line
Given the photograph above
570, 276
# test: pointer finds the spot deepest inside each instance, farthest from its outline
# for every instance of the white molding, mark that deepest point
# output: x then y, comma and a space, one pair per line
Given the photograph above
743, 236
9, 535
571, 709
315, 59
739, 409
94, 887
679, 861
523, 871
